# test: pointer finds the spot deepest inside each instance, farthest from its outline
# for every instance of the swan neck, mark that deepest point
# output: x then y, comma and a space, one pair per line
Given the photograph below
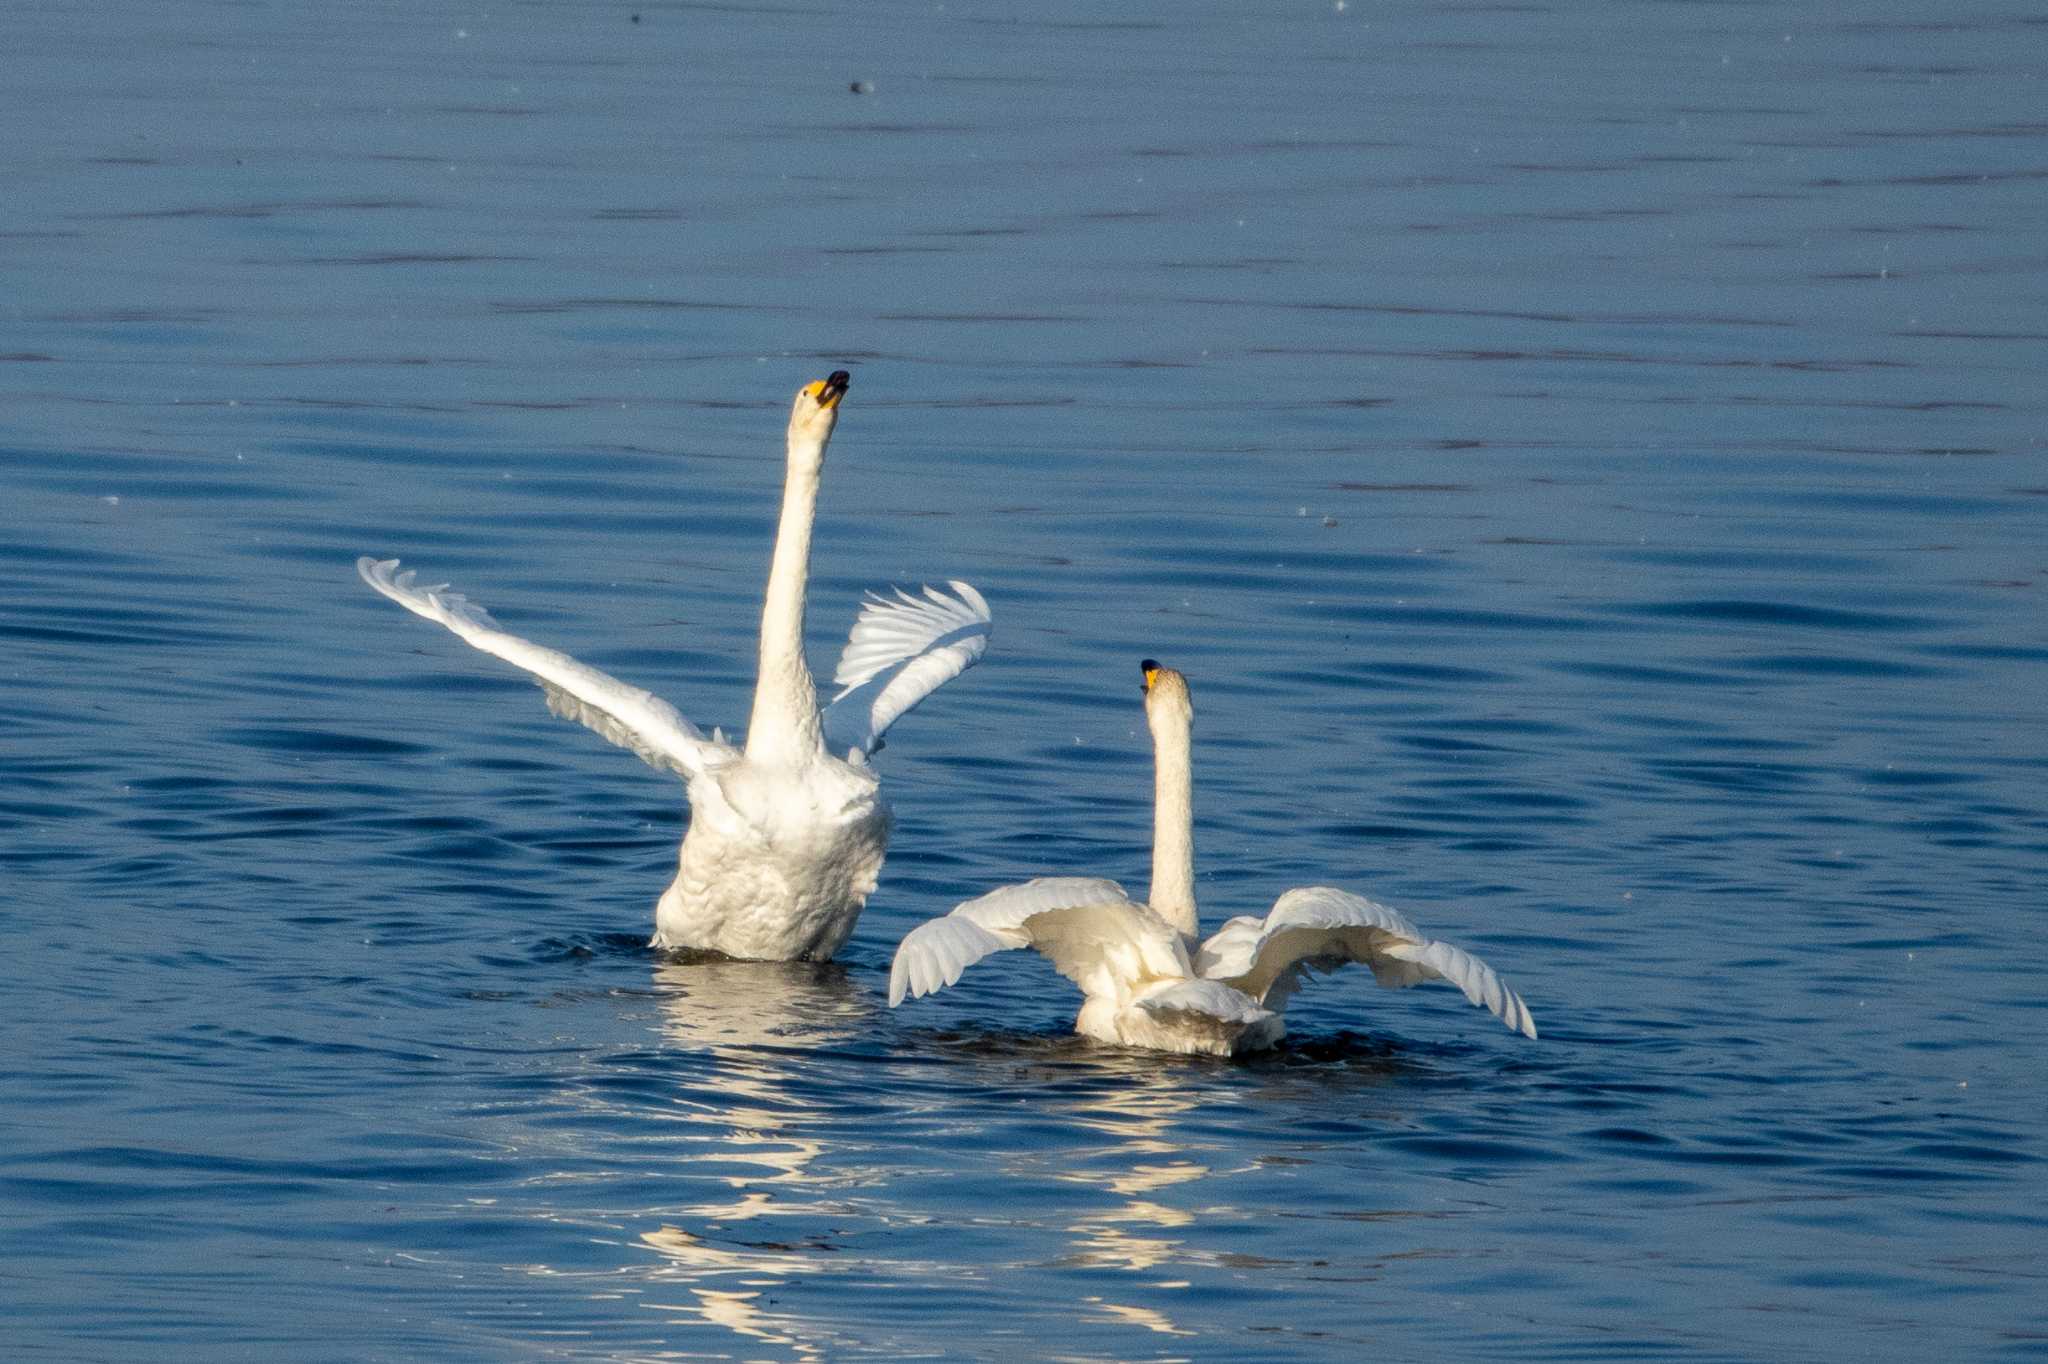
785, 723
1172, 896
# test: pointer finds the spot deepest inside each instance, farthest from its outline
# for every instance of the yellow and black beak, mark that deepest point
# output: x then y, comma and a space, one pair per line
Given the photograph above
829, 390
1151, 670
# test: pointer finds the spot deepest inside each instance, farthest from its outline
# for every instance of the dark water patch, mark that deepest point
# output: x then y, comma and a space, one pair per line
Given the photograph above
1966, 1154
1446, 744
44, 809
156, 633
586, 947
318, 743
1833, 665
419, 822
67, 556
1404, 614
1475, 1154
1187, 579
1436, 674
385, 258
1642, 674
1213, 550
437, 456
1780, 614
1628, 1138
1990, 653
682, 521
1752, 558
1405, 487
1890, 775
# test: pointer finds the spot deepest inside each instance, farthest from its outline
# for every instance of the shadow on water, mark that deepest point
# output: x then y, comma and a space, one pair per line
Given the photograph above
1062, 1053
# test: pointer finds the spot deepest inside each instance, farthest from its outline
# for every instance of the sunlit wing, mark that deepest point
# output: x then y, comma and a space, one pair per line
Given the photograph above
626, 715
1093, 934
1319, 928
901, 650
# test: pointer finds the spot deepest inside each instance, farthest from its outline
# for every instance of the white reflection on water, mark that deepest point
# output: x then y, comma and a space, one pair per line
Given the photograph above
1140, 1234
740, 1015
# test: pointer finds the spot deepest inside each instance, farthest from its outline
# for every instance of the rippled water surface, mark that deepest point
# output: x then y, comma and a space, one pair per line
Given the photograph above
1587, 458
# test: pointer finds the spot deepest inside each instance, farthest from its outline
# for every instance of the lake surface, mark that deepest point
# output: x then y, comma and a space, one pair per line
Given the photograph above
1588, 460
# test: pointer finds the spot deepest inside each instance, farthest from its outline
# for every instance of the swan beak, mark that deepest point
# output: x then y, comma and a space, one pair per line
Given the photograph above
831, 389
1151, 670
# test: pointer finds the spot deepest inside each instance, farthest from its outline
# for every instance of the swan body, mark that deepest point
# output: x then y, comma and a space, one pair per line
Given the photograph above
1144, 980
1138, 986
786, 834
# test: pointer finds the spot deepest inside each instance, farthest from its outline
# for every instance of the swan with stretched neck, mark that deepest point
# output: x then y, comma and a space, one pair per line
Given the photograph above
786, 836
1144, 979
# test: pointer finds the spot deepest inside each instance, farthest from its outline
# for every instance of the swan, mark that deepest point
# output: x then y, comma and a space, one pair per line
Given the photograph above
786, 835
1145, 981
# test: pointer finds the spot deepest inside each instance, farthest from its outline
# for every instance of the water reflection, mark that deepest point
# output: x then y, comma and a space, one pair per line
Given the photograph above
741, 1015
760, 1135
1138, 1111
713, 1003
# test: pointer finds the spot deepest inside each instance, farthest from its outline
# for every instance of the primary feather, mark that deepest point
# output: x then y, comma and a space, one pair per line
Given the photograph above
901, 650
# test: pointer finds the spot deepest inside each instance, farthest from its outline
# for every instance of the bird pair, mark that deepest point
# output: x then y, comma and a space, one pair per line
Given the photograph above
786, 835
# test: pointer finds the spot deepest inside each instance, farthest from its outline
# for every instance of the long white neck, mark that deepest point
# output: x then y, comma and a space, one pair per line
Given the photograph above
1172, 896
785, 727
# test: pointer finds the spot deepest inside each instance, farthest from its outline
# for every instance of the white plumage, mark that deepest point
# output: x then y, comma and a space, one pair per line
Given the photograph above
900, 652
786, 837
1144, 981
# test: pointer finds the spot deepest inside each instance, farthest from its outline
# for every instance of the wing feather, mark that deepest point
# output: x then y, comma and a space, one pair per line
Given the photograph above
932, 955
1093, 934
624, 714
1320, 928
901, 650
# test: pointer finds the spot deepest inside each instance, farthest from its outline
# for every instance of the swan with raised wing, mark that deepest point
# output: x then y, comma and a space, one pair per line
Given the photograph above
786, 835
1144, 979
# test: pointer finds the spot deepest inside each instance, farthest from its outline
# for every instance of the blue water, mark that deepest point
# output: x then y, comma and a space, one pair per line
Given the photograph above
1587, 459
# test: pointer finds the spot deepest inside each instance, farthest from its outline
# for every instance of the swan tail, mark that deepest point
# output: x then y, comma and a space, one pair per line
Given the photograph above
1208, 1017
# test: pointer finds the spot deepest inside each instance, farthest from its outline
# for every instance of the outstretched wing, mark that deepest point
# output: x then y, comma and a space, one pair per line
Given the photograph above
626, 715
1319, 928
1094, 935
901, 650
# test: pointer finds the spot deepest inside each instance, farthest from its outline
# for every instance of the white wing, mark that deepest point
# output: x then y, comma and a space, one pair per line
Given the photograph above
1319, 928
626, 715
1094, 935
901, 650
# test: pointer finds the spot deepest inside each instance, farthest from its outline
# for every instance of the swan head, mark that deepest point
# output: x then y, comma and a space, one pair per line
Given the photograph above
816, 411
1167, 700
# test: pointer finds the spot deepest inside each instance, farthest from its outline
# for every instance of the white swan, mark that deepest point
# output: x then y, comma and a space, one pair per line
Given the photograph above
786, 837
1144, 980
